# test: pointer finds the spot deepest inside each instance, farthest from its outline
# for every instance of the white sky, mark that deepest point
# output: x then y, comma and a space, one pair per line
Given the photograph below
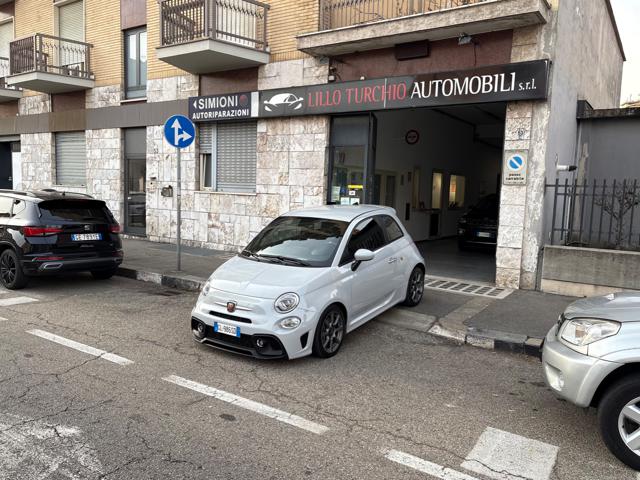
627, 14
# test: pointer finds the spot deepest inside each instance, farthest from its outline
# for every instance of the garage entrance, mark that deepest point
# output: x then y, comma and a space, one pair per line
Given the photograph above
440, 168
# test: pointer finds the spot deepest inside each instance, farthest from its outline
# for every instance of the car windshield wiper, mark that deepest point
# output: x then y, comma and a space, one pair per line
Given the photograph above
293, 261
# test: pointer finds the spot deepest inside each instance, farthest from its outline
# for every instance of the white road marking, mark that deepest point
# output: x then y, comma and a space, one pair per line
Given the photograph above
247, 404
81, 347
506, 456
8, 302
424, 466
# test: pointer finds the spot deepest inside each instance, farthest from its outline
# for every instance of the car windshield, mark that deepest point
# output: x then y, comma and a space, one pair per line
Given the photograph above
297, 241
487, 205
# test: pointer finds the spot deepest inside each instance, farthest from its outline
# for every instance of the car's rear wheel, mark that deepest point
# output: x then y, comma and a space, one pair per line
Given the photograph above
619, 418
330, 332
415, 288
11, 274
104, 274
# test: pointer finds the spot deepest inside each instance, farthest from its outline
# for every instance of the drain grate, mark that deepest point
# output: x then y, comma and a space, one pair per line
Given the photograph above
453, 285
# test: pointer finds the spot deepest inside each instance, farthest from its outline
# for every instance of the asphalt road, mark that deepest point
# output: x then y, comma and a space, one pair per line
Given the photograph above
393, 404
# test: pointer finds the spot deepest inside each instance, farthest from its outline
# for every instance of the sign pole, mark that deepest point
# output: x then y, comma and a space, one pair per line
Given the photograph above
179, 210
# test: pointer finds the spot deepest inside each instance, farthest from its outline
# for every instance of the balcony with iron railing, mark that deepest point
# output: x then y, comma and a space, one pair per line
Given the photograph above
347, 26
49, 64
205, 36
7, 92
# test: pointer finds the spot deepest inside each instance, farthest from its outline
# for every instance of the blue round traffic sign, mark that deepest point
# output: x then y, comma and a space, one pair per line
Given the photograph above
516, 163
179, 131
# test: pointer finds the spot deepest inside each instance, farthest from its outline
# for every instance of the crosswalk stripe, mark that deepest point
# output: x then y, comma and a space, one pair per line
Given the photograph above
8, 302
433, 469
81, 347
247, 404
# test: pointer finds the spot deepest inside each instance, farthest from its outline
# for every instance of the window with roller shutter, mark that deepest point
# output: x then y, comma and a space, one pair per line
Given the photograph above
228, 154
71, 158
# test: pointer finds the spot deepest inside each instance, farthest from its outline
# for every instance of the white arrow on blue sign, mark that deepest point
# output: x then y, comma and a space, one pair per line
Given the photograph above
179, 131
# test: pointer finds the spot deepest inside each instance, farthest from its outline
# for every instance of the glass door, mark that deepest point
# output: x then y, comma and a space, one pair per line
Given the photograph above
352, 160
135, 184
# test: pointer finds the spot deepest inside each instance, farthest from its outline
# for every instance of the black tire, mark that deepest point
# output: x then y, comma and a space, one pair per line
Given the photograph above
613, 423
415, 288
104, 274
330, 332
12, 276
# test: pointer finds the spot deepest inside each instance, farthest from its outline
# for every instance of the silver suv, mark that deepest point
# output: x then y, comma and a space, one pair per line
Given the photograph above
591, 358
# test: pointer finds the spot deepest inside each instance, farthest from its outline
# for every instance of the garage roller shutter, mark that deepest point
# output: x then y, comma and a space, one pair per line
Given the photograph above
236, 157
71, 159
204, 137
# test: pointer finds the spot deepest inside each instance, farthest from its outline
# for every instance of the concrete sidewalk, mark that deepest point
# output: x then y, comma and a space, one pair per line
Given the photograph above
517, 323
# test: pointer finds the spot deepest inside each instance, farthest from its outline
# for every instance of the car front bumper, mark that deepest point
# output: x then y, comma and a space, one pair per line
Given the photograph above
571, 375
280, 343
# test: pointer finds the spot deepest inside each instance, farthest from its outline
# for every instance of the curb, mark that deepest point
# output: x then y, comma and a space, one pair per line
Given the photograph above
451, 330
181, 282
490, 339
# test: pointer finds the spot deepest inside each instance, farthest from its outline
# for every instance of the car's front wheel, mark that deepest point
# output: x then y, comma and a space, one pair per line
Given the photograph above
11, 274
619, 418
415, 288
329, 332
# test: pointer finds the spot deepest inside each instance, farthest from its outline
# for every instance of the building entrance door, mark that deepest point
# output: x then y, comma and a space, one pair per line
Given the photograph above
6, 169
135, 191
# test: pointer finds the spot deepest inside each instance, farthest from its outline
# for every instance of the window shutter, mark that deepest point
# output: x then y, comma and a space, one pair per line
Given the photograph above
71, 160
204, 137
6, 36
71, 21
236, 157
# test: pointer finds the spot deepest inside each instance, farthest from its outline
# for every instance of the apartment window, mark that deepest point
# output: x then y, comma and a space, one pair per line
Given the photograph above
228, 156
135, 72
71, 159
457, 185
6, 36
71, 21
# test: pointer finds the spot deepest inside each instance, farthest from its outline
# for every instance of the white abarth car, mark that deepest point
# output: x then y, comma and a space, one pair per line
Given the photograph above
310, 277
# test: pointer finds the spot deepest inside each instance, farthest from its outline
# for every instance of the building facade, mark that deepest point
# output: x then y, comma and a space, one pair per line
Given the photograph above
421, 105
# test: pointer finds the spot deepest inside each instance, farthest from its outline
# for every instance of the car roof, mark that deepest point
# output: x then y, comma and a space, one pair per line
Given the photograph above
46, 194
346, 213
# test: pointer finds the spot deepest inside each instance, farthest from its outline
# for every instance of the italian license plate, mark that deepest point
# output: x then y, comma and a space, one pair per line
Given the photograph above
483, 234
84, 237
226, 329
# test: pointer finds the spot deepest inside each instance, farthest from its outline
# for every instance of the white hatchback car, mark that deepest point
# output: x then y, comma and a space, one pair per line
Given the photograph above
307, 279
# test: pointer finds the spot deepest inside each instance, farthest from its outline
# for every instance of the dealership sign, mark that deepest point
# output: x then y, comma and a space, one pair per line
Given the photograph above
498, 83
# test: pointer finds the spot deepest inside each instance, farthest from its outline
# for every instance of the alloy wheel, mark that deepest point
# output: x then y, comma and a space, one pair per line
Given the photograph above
7, 269
629, 425
332, 331
416, 286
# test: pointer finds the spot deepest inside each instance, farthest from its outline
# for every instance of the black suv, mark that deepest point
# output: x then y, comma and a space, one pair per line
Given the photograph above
47, 232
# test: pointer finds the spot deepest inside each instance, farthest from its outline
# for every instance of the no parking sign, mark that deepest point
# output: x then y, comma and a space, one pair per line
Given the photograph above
514, 170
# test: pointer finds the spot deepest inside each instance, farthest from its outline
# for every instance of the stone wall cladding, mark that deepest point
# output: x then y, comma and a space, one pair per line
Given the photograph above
36, 160
34, 104
99, 97
104, 168
172, 88
290, 174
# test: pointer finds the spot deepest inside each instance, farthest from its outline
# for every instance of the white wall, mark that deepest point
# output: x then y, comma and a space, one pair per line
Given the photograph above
446, 145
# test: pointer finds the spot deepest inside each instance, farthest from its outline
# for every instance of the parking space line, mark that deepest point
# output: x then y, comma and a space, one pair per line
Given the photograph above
247, 404
8, 302
433, 469
96, 352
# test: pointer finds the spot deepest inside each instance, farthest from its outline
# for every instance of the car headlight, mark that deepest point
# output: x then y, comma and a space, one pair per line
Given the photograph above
286, 303
584, 331
206, 289
290, 323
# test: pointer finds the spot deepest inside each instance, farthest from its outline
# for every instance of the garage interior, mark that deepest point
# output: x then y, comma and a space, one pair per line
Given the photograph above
431, 165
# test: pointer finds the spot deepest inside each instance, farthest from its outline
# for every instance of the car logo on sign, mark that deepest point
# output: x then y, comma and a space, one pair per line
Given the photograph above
231, 307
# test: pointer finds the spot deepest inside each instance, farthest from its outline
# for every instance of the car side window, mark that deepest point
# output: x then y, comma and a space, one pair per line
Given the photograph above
18, 207
394, 232
367, 234
5, 207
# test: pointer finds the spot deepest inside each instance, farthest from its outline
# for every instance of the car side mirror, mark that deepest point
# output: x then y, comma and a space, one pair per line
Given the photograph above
361, 255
